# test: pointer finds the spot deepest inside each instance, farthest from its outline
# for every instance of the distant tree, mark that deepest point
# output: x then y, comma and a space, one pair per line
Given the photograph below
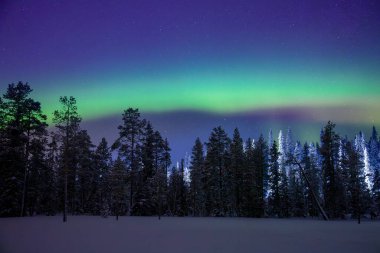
270, 138
67, 123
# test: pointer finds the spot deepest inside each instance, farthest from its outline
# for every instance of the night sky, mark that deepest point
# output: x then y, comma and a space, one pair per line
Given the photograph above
192, 65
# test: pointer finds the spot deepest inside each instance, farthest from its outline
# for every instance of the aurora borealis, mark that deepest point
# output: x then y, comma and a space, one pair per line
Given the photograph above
251, 64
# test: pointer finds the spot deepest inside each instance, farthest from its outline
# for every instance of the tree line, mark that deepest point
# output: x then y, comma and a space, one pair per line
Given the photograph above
62, 171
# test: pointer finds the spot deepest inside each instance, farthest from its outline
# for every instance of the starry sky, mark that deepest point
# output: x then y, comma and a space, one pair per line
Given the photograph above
192, 65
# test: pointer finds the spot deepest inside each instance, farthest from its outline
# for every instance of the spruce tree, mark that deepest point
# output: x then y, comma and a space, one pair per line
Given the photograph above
249, 184
274, 182
329, 150
103, 163
260, 176
236, 173
358, 192
311, 172
216, 166
196, 175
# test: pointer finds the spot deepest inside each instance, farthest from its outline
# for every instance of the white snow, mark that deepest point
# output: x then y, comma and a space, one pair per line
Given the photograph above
86, 234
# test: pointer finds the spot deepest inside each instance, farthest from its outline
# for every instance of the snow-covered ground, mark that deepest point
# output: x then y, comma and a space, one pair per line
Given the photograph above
196, 235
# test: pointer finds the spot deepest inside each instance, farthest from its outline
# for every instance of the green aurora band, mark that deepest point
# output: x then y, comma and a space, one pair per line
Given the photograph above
224, 90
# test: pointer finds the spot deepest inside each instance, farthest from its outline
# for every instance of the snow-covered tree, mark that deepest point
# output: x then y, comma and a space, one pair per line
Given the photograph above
361, 148
274, 201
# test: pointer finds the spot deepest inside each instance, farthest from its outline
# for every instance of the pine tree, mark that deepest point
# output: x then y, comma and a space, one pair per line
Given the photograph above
196, 175
117, 181
296, 183
144, 203
67, 123
183, 191
41, 184
163, 190
86, 175
361, 148
374, 151
103, 162
249, 186
357, 186
22, 122
282, 155
216, 164
236, 173
329, 150
375, 208
50, 194
308, 162
260, 176
177, 191
129, 147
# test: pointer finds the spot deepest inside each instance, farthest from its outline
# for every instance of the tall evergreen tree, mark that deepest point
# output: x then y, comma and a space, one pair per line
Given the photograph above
67, 122
249, 181
375, 208
236, 173
196, 174
103, 163
329, 149
216, 166
373, 150
260, 175
22, 122
358, 192
86, 177
274, 182
177, 191
117, 181
129, 146
311, 172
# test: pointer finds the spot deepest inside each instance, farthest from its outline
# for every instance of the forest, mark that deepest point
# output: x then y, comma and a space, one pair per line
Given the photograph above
57, 170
